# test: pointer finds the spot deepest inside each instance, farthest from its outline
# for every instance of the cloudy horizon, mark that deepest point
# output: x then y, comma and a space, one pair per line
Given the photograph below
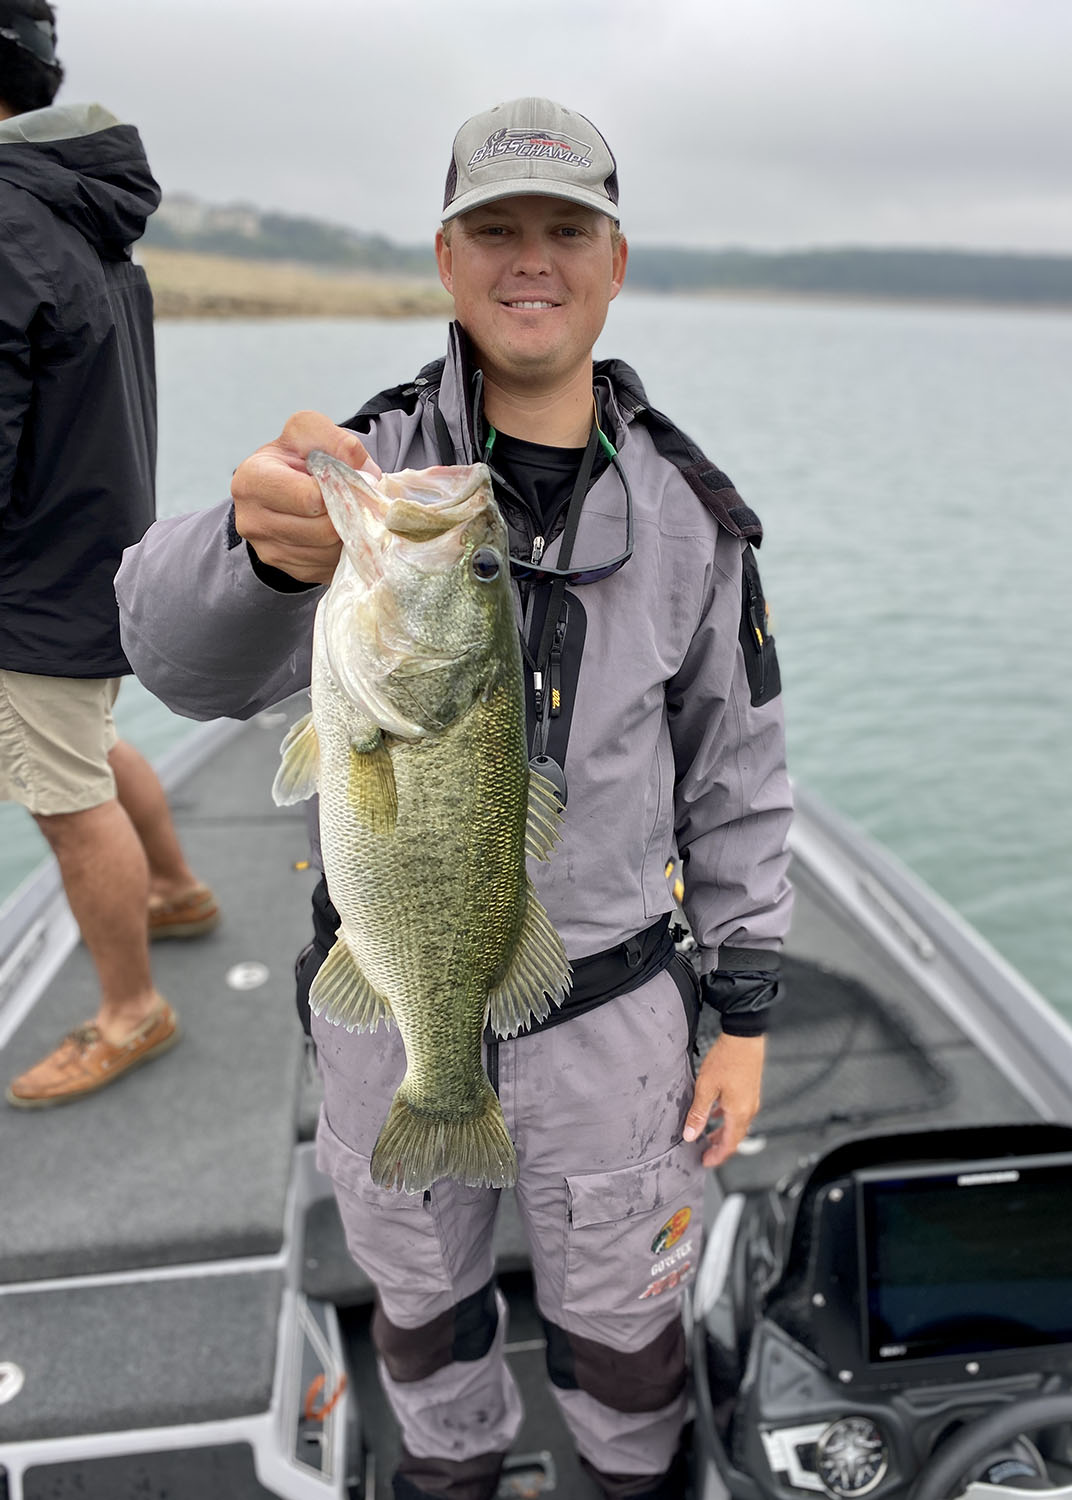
758, 124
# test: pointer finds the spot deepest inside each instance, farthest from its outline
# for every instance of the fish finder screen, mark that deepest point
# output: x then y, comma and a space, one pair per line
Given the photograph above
968, 1259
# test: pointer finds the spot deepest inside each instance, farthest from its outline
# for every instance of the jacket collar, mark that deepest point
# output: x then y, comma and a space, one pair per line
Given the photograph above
460, 395
618, 390
622, 400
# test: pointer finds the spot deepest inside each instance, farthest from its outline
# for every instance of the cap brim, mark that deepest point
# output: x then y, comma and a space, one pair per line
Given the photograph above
530, 187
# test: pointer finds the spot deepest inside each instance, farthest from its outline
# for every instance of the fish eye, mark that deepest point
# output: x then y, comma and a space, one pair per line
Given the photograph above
486, 565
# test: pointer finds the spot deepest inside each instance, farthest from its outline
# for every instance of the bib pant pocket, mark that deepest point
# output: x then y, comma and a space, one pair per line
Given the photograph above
633, 1238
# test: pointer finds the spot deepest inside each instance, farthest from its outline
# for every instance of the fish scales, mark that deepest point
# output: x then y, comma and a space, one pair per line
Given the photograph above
435, 901
416, 745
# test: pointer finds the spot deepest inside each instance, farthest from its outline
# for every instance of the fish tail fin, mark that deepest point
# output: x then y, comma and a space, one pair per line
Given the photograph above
415, 1149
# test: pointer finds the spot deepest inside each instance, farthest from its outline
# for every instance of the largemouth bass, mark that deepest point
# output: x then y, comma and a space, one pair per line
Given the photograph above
416, 744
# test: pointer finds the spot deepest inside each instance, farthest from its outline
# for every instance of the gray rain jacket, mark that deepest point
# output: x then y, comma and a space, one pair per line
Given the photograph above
675, 735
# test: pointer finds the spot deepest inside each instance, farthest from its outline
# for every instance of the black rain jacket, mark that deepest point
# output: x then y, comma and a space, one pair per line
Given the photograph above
77, 385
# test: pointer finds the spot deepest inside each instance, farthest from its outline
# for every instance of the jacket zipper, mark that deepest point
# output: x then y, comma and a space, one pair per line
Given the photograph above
757, 623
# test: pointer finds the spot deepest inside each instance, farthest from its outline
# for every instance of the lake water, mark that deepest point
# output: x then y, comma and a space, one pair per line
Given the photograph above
913, 469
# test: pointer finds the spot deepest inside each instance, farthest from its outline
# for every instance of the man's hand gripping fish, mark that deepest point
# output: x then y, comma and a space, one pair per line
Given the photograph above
416, 744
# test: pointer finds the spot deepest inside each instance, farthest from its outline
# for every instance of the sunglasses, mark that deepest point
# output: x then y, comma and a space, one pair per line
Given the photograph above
531, 570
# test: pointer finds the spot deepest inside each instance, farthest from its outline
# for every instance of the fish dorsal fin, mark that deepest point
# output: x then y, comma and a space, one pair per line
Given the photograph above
343, 996
299, 772
537, 976
372, 791
542, 832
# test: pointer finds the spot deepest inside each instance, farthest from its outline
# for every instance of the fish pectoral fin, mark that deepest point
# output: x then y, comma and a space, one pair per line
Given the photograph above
299, 770
343, 996
372, 791
537, 976
542, 830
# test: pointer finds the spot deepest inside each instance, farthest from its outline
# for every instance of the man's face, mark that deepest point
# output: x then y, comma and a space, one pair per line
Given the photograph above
532, 279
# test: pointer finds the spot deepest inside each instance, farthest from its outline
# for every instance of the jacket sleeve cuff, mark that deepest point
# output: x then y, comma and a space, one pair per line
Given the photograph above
743, 989
274, 578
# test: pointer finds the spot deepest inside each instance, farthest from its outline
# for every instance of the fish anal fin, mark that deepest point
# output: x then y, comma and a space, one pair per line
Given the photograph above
537, 976
299, 770
415, 1149
542, 831
371, 786
343, 996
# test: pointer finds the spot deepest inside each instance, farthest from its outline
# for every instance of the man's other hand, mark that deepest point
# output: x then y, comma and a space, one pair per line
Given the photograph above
278, 505
729, 1083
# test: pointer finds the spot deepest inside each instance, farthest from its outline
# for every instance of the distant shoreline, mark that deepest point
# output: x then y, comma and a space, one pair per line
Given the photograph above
190, 284
865, 299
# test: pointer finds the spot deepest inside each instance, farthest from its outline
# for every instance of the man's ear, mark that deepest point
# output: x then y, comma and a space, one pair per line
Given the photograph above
444, 261
621, 260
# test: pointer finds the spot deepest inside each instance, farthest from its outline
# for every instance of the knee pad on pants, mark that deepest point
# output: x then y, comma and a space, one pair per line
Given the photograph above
464, 1332
433, 1478
645, 1379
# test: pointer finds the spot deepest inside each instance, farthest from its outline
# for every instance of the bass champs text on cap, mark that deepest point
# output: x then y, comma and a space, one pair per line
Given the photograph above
530, 146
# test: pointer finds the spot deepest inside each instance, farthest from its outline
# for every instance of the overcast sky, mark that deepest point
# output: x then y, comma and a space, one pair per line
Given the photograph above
765, 123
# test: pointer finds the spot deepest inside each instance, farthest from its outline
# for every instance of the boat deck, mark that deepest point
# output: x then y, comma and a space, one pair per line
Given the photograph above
148, 1233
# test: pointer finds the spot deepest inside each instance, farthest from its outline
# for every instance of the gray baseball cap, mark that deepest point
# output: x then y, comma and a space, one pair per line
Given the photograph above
530, 146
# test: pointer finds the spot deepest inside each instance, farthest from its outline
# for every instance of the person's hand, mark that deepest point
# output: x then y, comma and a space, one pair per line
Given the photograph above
729, 1080
278, 505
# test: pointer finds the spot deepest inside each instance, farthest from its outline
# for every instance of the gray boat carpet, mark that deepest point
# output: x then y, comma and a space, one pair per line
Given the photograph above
140, 1354
226, 1472
187, 1158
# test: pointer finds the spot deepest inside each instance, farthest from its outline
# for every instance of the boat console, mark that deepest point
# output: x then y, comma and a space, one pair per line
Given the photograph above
903, 1304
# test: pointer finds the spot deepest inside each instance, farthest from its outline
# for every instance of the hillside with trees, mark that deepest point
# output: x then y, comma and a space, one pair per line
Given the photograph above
182, 223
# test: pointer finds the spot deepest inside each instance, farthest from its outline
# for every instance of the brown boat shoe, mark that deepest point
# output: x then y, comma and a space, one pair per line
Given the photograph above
190, 915
85, 1062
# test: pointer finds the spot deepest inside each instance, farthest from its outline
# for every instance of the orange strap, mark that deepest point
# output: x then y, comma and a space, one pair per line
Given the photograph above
310, 1410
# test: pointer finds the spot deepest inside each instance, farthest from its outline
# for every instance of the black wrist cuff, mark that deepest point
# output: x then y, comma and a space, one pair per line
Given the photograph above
743, 997
738, 960
275, 578
746, 1023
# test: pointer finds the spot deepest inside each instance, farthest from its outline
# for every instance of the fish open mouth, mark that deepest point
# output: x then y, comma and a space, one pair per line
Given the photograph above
421, 510
417, 504
423, 515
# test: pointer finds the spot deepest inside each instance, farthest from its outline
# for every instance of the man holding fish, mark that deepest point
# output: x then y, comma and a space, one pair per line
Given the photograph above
543, 698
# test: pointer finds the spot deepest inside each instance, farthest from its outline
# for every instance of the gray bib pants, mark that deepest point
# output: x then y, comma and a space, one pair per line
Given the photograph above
611, 1200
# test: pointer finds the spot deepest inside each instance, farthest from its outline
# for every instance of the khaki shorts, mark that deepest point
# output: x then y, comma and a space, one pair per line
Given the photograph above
55, 735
